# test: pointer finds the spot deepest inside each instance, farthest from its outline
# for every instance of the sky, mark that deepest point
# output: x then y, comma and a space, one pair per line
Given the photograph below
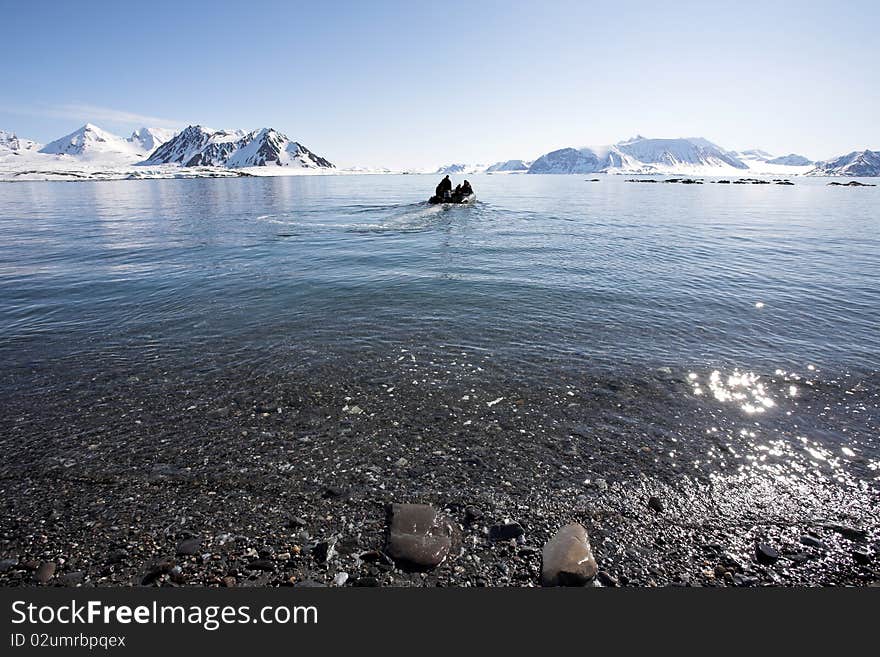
417, 84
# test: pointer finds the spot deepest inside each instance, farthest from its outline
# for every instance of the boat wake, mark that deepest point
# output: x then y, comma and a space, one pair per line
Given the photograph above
409, 217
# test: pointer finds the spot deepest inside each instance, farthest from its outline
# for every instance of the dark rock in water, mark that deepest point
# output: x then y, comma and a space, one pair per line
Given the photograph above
766, 554
656, 504
506, 531
45, 572
567, 559
265, 565
472, 514
852, 183
812, 541
846, 531
417, 537
863, 556
189, 546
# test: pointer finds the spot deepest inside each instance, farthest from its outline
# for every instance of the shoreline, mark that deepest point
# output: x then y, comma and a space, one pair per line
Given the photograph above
178, 486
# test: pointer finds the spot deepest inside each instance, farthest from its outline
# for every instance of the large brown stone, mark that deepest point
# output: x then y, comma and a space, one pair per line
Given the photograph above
417, 537
568, 558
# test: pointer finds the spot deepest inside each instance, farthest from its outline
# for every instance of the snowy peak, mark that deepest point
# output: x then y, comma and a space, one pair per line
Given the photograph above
12, 142
509, 166
568, 160
857, 163
678, 153
791, 160
757, 155
196, 146
639, 155
461, 168
89, 139
149, 139
200, 146
92, 142
267, 147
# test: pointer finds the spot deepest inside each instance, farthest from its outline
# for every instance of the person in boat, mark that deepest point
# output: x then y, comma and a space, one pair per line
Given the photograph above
466, 189
444, 188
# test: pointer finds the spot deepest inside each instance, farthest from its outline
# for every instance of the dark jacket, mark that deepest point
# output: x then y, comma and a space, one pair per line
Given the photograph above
444, 186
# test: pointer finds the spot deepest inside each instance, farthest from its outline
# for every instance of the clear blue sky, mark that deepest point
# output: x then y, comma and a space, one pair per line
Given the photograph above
417, 84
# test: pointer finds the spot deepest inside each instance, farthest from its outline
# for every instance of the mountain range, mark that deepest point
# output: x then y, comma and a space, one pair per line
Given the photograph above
694, 155
91, 152
195, 146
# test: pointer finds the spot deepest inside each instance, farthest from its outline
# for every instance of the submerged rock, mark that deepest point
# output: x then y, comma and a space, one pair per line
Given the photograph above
417, 537
568, 558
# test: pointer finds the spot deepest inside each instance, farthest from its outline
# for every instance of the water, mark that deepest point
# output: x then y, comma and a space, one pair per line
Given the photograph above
612, 272
548, 283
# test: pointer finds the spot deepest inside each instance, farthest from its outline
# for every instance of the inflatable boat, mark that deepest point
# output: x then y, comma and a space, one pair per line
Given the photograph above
453, 199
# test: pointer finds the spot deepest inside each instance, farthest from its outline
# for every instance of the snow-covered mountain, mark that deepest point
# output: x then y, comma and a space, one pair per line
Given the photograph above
569, 160
269, 147
461, 168
510, 166
149, 139
791, 160
9, 141
692, 155
200, 146
857, 163
756, 157
639, 155
92, 143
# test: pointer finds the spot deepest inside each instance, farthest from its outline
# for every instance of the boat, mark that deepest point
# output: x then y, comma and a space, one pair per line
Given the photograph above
453, 199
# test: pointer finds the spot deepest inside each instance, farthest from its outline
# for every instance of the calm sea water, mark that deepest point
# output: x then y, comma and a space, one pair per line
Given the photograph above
608, 273
700, 328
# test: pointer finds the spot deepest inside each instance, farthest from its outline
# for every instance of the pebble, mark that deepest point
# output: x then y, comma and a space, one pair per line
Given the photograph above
812, 541
655, 504
863, 556
45, 572
567, 559
228, 581
506, 531
607, 579
189, 546
324, 551
261, 564
417, 537
766, 554
366, 581
340, 579
72, 579
852, 533
472, 514
8, 564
